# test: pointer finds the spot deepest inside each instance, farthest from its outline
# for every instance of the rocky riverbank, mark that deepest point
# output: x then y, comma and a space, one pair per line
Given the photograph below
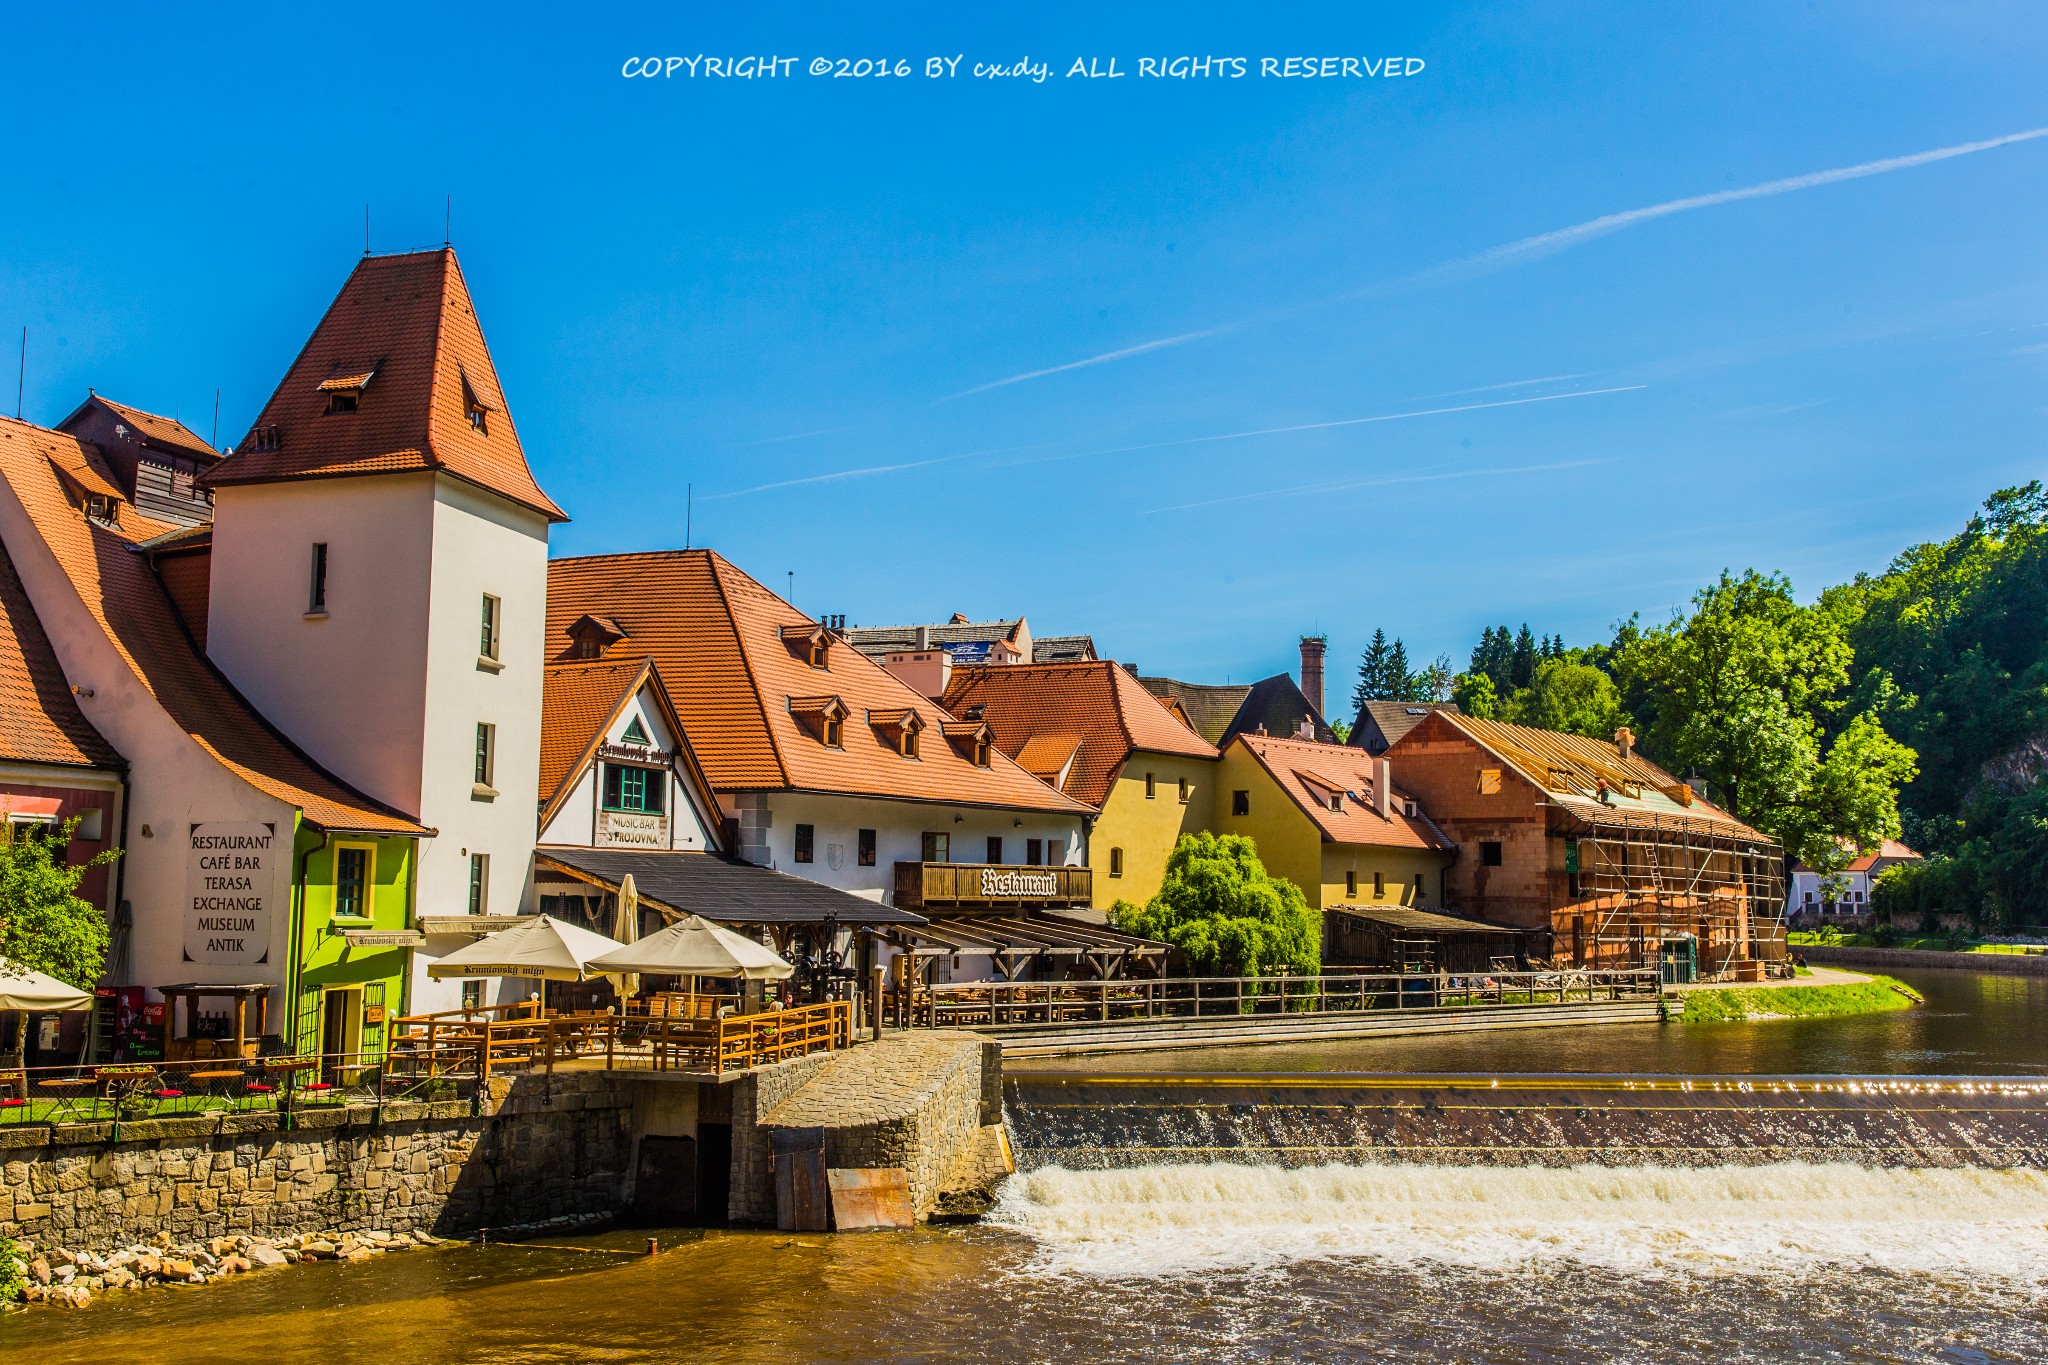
72, 1277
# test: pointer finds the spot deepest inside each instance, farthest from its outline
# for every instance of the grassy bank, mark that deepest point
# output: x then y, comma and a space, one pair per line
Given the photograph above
1835, 938
1879, 994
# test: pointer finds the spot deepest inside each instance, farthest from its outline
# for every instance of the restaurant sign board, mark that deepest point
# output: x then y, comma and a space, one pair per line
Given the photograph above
227, 893
1018, 884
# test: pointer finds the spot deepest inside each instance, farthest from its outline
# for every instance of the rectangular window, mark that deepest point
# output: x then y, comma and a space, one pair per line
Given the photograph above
352, 881
1056, 852
479, 883
340, 402
1351, 883
1116, 862
486, 753
1489, 852
1379, 886
1240, 803
472, 995
938, 848
866, 854
488, 645
804, 836
634, 789
316, 593
1418, 888
1034, 852
1183, 791
995, 848
1151, 789
1489, 782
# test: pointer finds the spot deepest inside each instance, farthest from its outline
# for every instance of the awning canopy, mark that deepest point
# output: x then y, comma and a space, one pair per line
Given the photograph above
1014, 940
543, 947
696, 947
679, 883
22, 989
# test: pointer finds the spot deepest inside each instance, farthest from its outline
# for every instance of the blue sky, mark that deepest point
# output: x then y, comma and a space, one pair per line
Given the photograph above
800, 294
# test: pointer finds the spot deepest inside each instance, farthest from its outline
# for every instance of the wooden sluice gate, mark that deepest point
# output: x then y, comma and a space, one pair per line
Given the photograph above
1095, 1122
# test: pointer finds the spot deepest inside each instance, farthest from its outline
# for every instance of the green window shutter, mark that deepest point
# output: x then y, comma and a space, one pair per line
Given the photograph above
373, 1034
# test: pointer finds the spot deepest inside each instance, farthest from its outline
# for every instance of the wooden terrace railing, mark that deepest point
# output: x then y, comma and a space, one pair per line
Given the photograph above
739, 1042
1008, 1004
510, 1036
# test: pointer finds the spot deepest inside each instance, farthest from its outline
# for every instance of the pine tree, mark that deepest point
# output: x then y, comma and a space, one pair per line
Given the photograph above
1400, 683
1522, 669
1494, 658
1372, 671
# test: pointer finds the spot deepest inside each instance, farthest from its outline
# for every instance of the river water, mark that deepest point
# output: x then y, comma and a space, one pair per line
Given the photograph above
1253, 1263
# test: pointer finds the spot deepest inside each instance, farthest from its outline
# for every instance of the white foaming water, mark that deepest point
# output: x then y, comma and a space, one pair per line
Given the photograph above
1153, 1221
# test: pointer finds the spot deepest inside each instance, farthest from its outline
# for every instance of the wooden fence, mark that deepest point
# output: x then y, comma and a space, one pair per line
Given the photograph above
633, 1042
1014, 1004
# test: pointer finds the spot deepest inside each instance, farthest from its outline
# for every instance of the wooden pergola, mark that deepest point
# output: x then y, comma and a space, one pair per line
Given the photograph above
1015, 942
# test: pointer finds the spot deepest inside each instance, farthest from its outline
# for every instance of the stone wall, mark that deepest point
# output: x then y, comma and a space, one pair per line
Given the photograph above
542, 1149
2000, 964
914, 1100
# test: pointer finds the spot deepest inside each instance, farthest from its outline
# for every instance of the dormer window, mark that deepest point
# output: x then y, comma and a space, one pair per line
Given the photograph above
344, 386
971, 739
812, 642
340, 402
591, 636
824, 717
476, 407
899, 728
100, 507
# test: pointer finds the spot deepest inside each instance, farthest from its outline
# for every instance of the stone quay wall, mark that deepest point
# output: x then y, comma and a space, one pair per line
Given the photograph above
541, 1149
915, 1100
1998, 964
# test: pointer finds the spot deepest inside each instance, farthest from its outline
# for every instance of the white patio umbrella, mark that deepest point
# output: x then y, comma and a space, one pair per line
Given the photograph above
693, 946
22, 989
544, 947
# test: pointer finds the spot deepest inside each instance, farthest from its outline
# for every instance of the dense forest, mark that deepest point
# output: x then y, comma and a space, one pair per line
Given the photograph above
1908, 704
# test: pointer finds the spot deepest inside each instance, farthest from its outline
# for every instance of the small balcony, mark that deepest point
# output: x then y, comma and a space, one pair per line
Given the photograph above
991, 886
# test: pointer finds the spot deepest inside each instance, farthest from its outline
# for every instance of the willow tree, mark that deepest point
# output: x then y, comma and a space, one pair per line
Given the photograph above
1220, 906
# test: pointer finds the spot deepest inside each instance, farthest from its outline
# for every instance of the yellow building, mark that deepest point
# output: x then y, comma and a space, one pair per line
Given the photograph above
1329, 818
1090, 730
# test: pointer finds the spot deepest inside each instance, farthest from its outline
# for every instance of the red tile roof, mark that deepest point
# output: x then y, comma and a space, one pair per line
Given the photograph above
159, 430
1096, 701
716, 635
129, 604
580, 699
1313, 773
1891, 850
39, 717
408, 324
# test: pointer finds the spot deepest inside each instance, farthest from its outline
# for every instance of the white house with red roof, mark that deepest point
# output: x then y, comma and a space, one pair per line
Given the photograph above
1808, 893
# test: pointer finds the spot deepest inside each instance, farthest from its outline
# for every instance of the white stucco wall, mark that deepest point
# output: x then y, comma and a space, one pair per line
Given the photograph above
348, 688
899, 836
173, 785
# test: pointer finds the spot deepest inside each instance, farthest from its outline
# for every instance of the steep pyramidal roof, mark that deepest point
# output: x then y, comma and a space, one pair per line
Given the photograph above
401, 346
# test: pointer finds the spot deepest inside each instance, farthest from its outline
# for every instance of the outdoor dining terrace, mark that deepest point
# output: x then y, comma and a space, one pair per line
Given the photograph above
123, 1092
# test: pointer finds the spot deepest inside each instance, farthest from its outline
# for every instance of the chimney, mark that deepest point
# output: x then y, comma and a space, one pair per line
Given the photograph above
924, 638
1383, 790
1625, 740
1312, 647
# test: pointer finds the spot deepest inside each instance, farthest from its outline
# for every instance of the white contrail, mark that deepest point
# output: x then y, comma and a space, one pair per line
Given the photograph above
1325, 426
1350, 485
1549, 243
1102, 359
835, 476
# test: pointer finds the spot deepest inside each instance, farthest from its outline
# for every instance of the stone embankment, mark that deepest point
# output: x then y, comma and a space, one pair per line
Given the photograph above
1998, 964
73, 1277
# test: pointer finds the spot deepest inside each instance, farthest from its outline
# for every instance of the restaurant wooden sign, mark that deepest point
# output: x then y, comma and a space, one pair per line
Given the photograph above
1009, 883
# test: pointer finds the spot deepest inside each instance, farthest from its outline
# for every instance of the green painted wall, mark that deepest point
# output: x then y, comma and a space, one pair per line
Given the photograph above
325, 959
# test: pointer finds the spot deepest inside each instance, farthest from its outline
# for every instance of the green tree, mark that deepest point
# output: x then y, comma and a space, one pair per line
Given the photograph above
1493, 659
1434, 683
1400, 683
1522, 663
1578, 699
44, 925
1746, 690
1220, 907
1372, 671
1474, 694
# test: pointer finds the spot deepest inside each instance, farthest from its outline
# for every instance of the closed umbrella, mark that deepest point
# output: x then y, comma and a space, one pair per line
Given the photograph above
543, 947
693, 946
629, 929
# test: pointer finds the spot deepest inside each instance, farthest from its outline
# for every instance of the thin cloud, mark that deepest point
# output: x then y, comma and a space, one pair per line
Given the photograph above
1775, 409
1511, 384
835, 476
1326, 426
793, 436
1351, 485
1124, 354
1550, 243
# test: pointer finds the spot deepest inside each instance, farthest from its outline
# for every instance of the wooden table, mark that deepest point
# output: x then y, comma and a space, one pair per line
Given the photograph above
68, 1094
209, 1077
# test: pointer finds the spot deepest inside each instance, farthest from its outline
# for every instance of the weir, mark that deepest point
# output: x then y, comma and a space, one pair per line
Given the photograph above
1109, 1121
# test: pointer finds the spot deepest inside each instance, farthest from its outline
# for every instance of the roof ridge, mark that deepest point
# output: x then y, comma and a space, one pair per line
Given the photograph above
747, 661
439, 371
